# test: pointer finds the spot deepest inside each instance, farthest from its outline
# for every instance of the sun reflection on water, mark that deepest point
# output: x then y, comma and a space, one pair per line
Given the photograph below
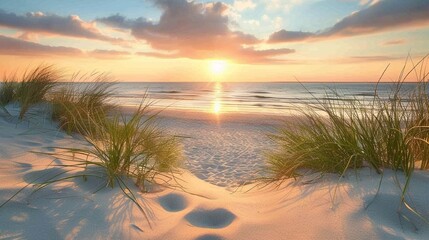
217, 98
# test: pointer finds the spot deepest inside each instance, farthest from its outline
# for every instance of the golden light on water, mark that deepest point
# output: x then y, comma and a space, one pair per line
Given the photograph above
218, 67
217, 101
217, 106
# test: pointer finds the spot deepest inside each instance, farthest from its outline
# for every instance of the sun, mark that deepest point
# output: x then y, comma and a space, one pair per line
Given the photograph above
218, 66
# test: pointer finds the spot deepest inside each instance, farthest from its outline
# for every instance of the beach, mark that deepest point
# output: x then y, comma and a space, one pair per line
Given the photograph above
208, 199
214, 120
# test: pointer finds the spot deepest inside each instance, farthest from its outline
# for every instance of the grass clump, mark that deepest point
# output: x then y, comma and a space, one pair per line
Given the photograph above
130, 146
35, 86
76, 105
7, 90
317, 143
336, 135
118, 148
121, 147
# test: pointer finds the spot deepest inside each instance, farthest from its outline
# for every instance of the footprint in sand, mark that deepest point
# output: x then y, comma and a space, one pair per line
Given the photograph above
216, 218
209, 237
173, 202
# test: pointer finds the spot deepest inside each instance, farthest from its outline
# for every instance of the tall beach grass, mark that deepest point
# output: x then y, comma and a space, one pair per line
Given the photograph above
31, 88
8, 90
78, 103
118, 147
336, 135
35, 86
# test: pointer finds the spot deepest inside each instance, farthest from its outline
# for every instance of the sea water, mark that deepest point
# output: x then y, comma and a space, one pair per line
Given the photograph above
273, 97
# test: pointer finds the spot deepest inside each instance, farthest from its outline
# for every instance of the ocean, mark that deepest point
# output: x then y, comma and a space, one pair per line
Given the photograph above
223, 97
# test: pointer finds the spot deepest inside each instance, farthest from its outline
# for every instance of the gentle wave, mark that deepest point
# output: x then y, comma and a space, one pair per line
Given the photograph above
250, 97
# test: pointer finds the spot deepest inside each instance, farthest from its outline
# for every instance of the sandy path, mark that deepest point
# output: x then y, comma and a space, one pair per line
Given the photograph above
222, 153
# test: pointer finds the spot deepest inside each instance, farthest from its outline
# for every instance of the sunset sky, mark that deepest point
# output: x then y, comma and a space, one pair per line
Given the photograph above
178, 40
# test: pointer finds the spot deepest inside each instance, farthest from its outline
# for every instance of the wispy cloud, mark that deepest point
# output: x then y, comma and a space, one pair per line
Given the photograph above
379, 16
12, 46
19, 47
28, 36
38, 22
373, 58
245, 55
367, 58
394, 42
108, 54
194, 30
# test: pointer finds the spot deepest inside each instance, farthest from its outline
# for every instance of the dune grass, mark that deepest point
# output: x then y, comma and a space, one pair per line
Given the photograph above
337, 135
122, 147
118, 148
131, 146
34, 86
8, 90
75, 104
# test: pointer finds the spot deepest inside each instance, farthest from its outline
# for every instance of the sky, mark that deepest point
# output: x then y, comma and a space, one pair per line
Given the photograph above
180, 40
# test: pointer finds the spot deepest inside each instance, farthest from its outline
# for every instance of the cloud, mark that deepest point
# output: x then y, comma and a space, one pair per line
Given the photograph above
394, 42
242, 5
18, 47
12, 46
108, 54
120, 22
244, 55
38, 22
289, 36
285, 6
193, 30
373, 58
366, 59
379, 16
28, 36
252, 22
368, 2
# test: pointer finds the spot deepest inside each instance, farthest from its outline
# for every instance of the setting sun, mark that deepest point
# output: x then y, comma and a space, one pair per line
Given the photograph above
218, 66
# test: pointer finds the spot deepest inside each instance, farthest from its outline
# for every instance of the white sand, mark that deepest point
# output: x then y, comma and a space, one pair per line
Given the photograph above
325, 209
225, 154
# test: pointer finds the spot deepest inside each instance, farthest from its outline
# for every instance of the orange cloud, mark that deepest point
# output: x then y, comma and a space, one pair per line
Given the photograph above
108, 54
194, 30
